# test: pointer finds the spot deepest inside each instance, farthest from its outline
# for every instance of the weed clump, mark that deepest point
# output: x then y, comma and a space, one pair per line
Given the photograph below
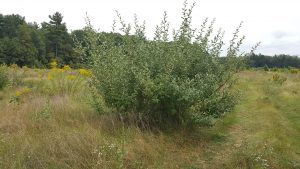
278, 79
293, 71
266, 68
3, 76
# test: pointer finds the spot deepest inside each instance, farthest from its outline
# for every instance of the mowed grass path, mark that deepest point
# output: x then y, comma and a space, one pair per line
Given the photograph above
266, 133
63, 131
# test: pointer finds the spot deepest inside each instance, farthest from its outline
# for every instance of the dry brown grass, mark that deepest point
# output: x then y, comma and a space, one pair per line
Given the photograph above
63, 131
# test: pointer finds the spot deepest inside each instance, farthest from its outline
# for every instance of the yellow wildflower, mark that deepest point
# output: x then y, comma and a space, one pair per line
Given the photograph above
23, 91
59, 70
26, 90
18, 93
85, 72
71, 77
67, 67
49, 77
53, 64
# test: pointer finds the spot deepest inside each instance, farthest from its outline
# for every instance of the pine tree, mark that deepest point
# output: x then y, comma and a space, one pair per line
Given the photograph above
58, 40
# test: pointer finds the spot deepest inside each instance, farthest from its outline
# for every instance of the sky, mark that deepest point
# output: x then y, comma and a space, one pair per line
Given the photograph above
274, 23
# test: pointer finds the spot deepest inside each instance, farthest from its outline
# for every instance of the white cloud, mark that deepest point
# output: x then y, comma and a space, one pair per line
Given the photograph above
275, 23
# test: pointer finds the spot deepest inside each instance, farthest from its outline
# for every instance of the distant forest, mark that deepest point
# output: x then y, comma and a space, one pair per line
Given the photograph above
279, 61
36, 45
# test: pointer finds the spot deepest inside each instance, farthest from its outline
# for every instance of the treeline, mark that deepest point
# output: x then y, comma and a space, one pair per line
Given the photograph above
36, 45
33, 45
278, 61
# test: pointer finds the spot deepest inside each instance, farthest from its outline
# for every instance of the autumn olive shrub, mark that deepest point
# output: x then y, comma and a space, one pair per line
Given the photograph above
165, 82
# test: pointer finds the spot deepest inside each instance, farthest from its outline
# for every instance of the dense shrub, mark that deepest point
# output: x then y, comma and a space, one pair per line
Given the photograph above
293, 71
3, 77
166, 82
266, 68
278, 79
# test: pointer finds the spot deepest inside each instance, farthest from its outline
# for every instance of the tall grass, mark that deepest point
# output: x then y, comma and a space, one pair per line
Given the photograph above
3, 76
63, 131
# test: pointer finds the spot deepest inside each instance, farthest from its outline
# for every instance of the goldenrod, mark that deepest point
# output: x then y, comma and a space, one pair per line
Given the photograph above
67, 67
85, 72
49, 77
71, 77
53, 64
23, 91
59, 70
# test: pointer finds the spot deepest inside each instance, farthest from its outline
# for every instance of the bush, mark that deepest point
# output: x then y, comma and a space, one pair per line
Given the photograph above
278, 79
294, 71
266, 68
275, 69
166, 82
3, 76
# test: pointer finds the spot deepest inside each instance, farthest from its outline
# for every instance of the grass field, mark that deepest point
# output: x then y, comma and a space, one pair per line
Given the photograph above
46, 121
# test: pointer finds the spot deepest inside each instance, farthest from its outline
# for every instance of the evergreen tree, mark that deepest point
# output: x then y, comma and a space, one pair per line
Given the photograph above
38, 40
27, 52
9, 25
58, 40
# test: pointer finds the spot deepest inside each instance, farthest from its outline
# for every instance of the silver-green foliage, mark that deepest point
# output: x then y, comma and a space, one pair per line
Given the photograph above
167, 81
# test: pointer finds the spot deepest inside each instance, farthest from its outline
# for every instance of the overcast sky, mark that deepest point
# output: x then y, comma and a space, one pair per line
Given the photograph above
275, 23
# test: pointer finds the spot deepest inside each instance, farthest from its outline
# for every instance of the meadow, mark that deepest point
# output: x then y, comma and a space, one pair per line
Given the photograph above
47, 120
